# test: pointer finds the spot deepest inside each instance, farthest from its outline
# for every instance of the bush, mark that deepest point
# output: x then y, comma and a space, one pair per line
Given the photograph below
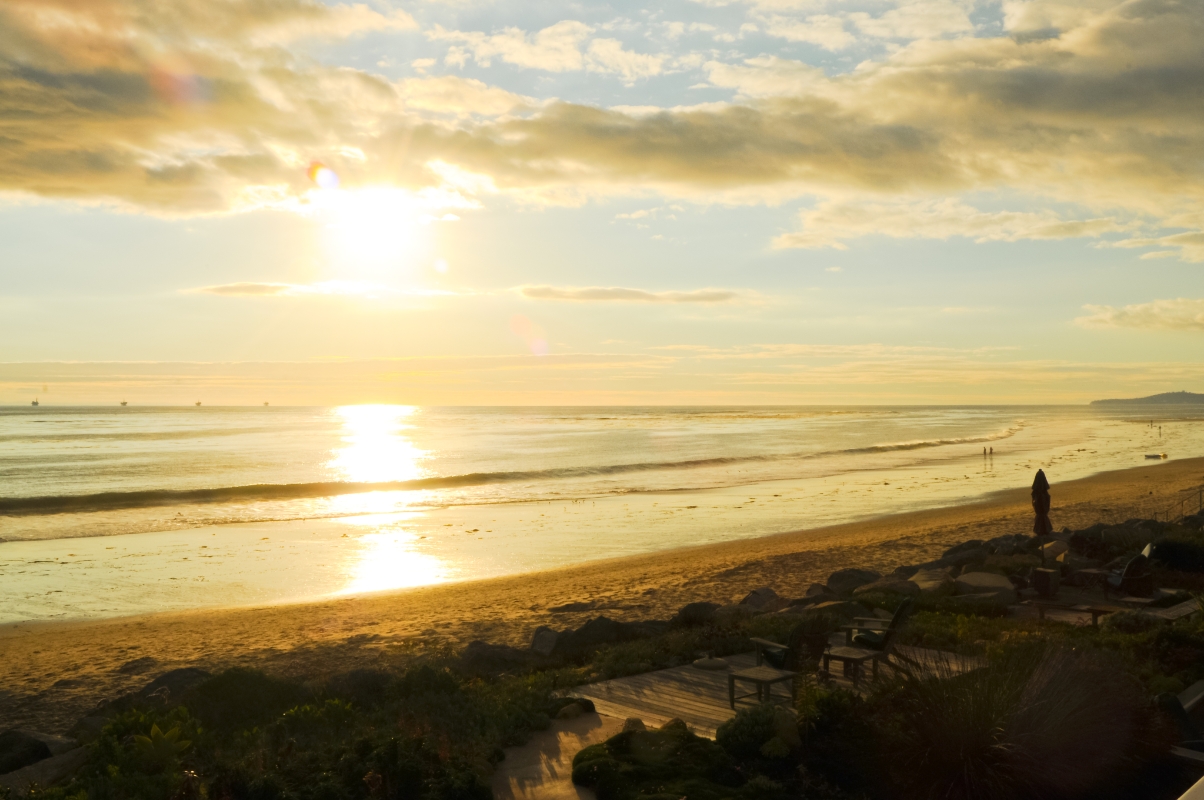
1037, 723
744, 735
1130, 622
242, 698
666, 763
1179, 555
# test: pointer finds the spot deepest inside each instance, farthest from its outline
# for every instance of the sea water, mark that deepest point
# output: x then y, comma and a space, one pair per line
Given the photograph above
126, 510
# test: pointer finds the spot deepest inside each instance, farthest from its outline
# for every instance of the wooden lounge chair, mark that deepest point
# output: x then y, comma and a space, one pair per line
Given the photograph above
789, 656
869, 639
1135, 579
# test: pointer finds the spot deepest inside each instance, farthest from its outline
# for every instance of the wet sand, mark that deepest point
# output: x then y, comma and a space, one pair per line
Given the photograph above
52, 673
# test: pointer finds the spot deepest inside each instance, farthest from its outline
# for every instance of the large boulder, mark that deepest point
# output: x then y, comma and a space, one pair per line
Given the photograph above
889, 586
973, 544
20, 749
45, 773
816, 590
596, 633
982, 601
844, 581
845, 609
1052, 550
544, 640
759, 598
975, 555
485, 659
695, 615
973, 583
933, 581
733, 614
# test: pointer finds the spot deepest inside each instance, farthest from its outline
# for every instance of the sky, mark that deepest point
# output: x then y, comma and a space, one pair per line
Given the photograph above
693, 201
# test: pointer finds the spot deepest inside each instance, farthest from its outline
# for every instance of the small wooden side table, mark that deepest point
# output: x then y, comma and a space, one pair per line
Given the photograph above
763, 678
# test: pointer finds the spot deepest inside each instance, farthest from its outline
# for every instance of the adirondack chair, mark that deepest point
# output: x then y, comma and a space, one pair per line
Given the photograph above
869, 639
805, 642
1135, 579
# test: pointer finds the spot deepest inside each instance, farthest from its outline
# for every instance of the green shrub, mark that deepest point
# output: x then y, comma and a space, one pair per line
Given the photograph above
242, 698
1037, 723
666, 763
746, 734
839, 735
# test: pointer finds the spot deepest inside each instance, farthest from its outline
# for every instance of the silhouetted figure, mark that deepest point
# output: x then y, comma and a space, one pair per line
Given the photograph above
1042, 527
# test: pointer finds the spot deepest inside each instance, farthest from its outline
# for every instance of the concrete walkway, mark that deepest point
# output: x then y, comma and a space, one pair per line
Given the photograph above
542, 769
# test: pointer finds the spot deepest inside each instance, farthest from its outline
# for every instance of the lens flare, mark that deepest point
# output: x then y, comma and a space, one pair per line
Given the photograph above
323, 175
531, 333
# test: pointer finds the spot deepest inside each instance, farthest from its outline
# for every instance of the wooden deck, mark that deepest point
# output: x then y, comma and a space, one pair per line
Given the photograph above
699, 697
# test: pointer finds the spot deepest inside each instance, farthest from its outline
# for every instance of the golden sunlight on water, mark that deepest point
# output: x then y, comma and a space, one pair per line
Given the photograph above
375, 447
388, 559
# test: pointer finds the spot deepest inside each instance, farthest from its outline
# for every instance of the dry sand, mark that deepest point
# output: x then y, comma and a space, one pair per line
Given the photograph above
52, 673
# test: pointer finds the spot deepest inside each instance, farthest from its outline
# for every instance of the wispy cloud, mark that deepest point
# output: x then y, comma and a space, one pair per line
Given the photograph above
323, 289
830, 223
1181, 314
601, 294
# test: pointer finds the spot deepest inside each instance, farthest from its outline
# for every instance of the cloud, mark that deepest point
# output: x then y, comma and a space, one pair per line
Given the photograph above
831, 223
189, 107
596, 294
557, 48
1178, 315
1189, 245
323, 289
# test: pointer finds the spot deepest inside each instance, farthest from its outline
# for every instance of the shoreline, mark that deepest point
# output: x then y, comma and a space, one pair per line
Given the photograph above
52, 672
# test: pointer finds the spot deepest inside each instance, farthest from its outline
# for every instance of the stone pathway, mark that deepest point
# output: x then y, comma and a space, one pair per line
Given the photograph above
542, 769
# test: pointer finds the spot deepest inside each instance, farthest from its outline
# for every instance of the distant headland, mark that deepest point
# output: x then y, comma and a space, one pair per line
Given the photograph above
1164, 399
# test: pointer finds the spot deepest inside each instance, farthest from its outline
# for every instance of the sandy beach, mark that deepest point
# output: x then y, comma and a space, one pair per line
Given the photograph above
51, 673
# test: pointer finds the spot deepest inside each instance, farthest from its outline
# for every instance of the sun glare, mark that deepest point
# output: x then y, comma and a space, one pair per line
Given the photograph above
372, 232
374, 445
388, 560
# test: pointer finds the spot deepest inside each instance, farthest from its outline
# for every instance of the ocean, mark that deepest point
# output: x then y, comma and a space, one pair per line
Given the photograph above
127, 510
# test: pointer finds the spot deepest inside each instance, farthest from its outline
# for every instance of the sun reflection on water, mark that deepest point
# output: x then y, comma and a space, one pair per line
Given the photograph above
388, 558
375, 447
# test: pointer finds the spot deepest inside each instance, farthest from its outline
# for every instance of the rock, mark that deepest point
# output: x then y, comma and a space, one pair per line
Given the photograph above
695, 615
841, 608
732, 613
543, 641
1006, 545
675, 725
711, 664
484, 659
785, 727
634, 724
364, 687
986, 582
973, 544
981, 600
974, 556
57, 744
569, 608
571, 711
776, 604
88, 729
904, 572
933, 581
19, 749
1054, 549
888, 585
47, 772
816, 590
137, 666
177, 682
595, 633
757, 598
844, 581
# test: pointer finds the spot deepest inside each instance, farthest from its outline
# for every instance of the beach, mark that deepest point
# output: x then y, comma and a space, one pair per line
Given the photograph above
51, 673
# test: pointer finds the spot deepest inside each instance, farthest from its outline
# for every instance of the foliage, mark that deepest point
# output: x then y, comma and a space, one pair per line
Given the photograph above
664, 764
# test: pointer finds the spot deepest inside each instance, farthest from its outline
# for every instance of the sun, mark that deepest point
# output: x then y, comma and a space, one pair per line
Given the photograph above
372, 233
